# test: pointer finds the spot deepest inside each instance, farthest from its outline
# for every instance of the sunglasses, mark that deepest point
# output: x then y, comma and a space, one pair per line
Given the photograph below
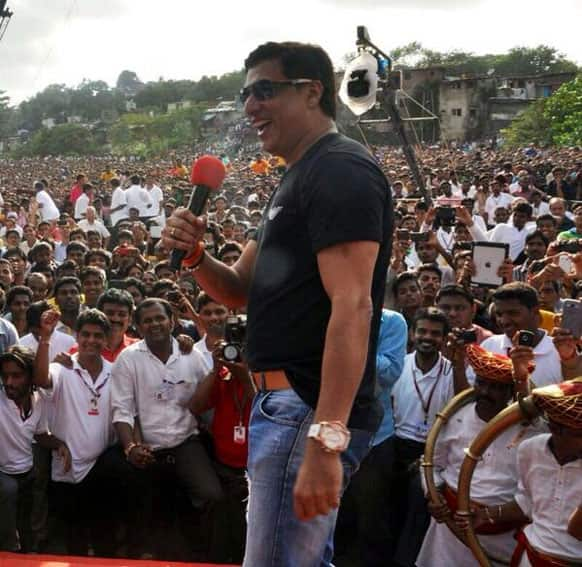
265, 89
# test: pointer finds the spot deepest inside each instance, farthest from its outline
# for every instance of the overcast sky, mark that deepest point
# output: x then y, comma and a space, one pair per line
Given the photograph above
64, 41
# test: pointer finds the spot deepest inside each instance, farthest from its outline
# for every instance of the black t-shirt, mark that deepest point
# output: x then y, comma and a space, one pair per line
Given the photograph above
336, 193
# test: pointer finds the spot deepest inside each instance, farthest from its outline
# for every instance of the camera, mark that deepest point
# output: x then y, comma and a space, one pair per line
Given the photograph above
403, 234
570, 246
358, 85
419, 236
446, 215
526, 338
235, 331
469, 336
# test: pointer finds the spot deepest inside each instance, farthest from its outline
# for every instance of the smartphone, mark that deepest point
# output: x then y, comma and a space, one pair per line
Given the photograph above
464, 245
403, 234
469, 336
572, 316
419, 236
565, 262
526, 338
446, 215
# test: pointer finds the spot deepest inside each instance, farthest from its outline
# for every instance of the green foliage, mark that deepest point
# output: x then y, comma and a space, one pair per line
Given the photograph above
145, 135
63, 139
556, 120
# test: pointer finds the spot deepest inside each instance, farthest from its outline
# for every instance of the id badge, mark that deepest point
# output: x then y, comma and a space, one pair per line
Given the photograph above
422, 429
93, 408
240, 434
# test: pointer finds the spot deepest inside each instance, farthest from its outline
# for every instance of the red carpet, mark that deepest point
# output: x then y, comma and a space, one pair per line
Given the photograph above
18, 560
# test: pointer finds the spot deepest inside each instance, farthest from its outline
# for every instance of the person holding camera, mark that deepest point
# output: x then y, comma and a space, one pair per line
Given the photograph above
228, 390
314, 284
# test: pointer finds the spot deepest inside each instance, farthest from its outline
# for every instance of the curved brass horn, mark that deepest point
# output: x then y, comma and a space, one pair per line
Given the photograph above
517, 412
442, 417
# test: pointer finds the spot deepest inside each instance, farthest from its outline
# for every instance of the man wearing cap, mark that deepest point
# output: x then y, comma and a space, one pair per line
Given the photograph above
495, 386
549, 469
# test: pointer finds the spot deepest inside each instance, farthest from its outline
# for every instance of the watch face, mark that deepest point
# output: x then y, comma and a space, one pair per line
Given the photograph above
230, 353
333, 440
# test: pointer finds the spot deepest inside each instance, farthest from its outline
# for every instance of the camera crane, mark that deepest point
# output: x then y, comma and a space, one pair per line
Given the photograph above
5, 15
388, 82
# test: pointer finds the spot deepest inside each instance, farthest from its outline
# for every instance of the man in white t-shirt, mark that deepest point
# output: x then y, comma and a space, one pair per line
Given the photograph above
22, 419
91, 222
119, 209
156, 196
495, 200
48, 210
138, 198
80, 400
517, 309
83, 201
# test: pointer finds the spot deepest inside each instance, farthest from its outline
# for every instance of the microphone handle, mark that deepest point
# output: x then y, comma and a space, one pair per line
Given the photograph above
196, 204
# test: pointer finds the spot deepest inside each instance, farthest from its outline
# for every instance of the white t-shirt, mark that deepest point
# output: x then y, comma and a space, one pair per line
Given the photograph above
48, 209
83, 424
138, 198
59, 342
119, 198
96, 226
547, 360
81, 205
16, 435
156, 197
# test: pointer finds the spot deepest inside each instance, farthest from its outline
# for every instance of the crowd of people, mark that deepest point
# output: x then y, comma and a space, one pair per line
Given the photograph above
124, 420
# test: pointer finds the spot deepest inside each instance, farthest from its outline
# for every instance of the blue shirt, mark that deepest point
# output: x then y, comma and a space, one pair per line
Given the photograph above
8, 335
389, 362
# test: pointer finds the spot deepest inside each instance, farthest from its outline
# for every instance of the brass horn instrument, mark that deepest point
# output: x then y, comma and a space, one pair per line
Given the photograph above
522, 410
442, 417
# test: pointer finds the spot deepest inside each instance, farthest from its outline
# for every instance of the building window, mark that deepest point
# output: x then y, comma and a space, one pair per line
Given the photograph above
457, 111
473, 113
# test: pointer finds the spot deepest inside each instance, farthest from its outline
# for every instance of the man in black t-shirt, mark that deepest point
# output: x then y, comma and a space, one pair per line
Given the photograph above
314, 281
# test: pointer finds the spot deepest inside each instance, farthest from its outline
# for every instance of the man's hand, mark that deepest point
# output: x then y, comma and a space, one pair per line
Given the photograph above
64, 359
183, 230
186, 343
48, 322
522, 358
477, 519
440, 511
319, 483
455, 347
464, 216
565, 343
64, 454
505, 271
141, 456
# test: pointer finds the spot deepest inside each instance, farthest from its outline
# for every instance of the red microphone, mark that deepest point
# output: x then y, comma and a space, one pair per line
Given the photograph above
207, 175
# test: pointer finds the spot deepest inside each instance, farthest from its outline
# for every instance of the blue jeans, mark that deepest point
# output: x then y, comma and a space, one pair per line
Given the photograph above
277, 435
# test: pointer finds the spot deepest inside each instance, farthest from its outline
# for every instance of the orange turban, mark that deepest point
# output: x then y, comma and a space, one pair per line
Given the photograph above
489, 365
562, 403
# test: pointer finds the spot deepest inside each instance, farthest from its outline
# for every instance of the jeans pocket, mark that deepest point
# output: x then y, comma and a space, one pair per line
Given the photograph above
283, 407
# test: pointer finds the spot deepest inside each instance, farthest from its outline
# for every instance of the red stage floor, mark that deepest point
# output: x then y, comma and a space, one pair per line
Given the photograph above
18, 560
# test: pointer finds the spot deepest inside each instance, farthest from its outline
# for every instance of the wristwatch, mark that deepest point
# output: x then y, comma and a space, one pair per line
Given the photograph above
333, 436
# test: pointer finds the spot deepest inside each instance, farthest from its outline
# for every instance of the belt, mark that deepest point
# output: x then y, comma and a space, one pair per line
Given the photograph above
271, 380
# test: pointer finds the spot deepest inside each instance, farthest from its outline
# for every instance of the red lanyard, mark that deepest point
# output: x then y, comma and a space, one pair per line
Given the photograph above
426, 406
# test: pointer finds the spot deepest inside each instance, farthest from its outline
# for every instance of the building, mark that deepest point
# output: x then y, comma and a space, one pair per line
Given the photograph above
180, 105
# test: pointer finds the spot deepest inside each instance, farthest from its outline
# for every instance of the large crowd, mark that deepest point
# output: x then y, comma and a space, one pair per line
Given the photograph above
123, 418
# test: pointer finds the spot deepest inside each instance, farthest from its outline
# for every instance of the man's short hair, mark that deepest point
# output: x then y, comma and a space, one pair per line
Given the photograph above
547, 217
163, 285
66, 281
134, 282
164, 264
34, 313
77, 246
524, 208
521, 292
300, 61
93, 317
455, 290
117, 297
101, 253
431, 314
229, 247
401, 279
149, 302
89, 271
203, 300
18, 290
16, 252
537, 234
429, 268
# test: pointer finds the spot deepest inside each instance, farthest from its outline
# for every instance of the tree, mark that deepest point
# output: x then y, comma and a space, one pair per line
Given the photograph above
63, 139
554, 120
128, 82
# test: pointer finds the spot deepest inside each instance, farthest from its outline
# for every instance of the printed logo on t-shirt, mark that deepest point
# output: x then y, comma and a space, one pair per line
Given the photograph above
274, 211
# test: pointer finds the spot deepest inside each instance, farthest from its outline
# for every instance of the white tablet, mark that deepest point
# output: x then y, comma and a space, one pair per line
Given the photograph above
488, 257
